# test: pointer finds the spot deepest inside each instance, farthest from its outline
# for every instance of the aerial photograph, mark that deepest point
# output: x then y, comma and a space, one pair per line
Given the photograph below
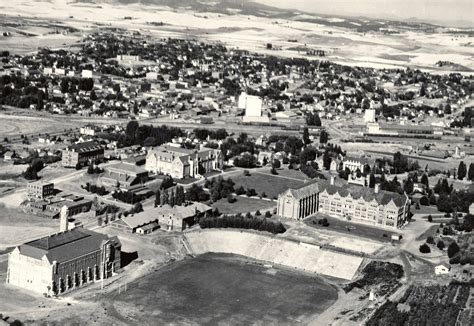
237, 162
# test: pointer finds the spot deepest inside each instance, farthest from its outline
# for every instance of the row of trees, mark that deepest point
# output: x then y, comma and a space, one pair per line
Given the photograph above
242, 222
171, 196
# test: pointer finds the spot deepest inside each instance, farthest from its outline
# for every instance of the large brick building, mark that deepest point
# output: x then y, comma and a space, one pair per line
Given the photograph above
357, 204
64, 261
39, 189
82, 154
183, 163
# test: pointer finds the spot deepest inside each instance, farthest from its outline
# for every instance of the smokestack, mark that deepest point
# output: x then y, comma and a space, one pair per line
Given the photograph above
63, 219
376, 188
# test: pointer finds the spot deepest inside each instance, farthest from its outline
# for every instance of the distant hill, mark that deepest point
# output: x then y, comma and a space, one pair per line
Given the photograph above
248, 7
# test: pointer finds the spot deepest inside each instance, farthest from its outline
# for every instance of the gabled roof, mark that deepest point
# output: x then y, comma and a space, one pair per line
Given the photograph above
85, 146
65, 246
344, 190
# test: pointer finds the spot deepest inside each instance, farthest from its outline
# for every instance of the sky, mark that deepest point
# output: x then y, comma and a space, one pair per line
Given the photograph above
438, 11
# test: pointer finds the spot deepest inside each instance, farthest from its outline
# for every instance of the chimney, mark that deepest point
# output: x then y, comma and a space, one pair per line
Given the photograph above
376, 188
332, 180
63, 219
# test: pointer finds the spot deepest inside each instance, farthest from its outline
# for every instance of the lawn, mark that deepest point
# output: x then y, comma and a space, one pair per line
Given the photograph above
350, 228
223, 290
243, 205
271, 185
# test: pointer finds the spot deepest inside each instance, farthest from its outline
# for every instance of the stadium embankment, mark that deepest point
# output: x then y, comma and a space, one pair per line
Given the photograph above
298, 255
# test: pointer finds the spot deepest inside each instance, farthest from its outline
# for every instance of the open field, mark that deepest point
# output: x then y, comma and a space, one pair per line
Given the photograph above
216, 289
243, 205
361, 230
271, 185
240, 29
14, 125
17, 227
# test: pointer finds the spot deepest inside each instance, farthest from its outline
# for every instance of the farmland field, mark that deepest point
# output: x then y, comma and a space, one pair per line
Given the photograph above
218, 289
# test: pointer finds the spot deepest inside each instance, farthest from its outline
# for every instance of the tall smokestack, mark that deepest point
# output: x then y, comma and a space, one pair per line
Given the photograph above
64, 220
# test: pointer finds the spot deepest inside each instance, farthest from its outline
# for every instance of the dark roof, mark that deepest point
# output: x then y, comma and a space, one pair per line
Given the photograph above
65, 246
85, 146
368, 194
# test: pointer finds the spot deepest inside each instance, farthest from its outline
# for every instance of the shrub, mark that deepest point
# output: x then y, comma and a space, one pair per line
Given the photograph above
430, 218
231, 199
246, 173
425, 249
257, 213
251, 192
268, 214
440, 245
240, 190
453, 249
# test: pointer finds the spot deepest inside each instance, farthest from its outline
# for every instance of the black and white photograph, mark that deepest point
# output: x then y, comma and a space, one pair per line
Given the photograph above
237, 162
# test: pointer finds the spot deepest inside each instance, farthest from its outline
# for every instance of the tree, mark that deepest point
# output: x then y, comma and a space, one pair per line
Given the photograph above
430, 218
306, 139
462, 171
180, 196
157, 198
327, 160
64, 86
313, 119
430, 240
470, 174
167, 182
440, 245
276, 164
90, 169
425, 249
372, 181
408, 186
164, 198
424, 180
323, 137
453, 249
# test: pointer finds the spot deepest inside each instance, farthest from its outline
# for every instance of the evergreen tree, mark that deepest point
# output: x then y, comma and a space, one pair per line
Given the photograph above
157, 198
164, 198
327, 160
408, 186
462, 171
470, 174
306, 139
424, 180
323, 137
172, 200
180, 196
371, 180
453, 249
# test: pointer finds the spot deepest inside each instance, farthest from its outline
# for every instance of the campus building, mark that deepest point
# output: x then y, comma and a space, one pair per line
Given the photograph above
183, 163
82, 154
355, 163
64, 261
125, 174
39, 190
357, 204
176, 218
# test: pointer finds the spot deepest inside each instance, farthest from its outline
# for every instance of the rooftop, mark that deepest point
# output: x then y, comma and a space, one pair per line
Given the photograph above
65, 246
344, 189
